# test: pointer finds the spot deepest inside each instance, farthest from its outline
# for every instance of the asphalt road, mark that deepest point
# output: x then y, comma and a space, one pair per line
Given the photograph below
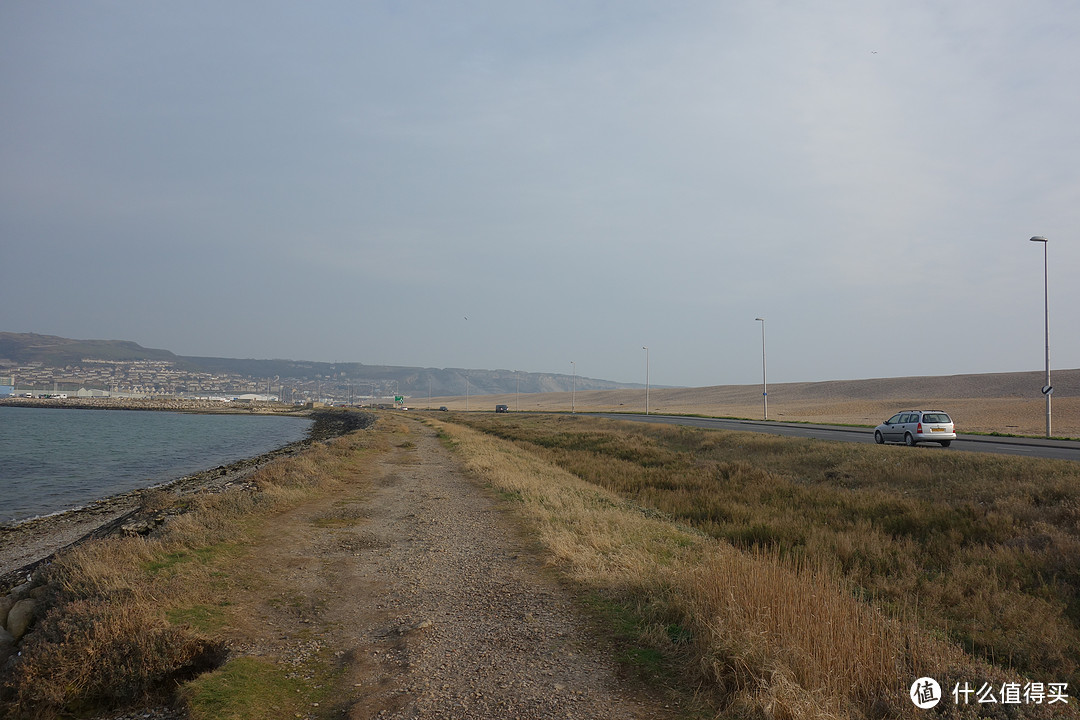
1030, 447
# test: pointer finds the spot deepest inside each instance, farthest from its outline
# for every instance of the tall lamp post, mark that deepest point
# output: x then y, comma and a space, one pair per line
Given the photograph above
1048, 389
764, 377
573, 393
646, 349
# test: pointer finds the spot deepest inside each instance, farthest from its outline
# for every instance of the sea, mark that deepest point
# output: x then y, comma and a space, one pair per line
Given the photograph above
57, 459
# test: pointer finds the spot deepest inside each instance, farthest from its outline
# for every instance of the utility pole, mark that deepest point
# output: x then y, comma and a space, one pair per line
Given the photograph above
764, 380
646, 349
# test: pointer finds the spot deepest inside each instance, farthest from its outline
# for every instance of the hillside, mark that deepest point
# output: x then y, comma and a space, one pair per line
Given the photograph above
342, 379
53, 351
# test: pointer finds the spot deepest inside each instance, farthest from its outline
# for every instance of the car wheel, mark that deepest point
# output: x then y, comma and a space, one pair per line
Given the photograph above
946, 443
877, 438
909, 439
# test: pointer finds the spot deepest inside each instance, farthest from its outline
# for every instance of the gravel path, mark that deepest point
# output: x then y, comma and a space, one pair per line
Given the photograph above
468, 625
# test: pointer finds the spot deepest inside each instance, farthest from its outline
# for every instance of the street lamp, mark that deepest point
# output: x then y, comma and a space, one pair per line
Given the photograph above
646, 349
764, 381
1048, 389
573, 393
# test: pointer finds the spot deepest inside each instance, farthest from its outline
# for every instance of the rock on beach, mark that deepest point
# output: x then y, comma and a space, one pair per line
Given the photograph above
20, 617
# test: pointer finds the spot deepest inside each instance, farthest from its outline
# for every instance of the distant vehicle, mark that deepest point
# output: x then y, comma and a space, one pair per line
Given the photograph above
502, 408
912, 427
443, 408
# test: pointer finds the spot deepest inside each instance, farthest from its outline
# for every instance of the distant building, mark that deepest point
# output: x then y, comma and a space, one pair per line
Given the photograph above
255, 397
7, 390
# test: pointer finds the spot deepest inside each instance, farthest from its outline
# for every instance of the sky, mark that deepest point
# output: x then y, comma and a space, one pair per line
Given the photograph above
549, 186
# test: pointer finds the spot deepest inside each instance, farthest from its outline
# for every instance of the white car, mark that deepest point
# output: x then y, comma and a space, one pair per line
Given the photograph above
912, 427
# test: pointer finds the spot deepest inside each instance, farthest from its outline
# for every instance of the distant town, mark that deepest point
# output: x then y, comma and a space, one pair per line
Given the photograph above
157, 378
50, 366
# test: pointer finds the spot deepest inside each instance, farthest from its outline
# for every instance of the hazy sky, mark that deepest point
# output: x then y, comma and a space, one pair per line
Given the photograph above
348, 181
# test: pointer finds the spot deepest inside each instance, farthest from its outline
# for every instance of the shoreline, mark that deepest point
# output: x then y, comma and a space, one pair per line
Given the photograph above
157, 404
29, 543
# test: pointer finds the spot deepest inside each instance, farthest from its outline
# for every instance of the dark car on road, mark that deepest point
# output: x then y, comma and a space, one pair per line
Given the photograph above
502, 408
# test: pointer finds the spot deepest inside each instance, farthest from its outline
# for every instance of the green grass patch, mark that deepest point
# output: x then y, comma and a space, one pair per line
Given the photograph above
341, 517
248, 688
204, 618
647, 662
511, 496
619, 618
169, 561
640, 645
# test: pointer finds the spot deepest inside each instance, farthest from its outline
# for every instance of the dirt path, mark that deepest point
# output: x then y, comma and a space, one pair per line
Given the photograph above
427, 595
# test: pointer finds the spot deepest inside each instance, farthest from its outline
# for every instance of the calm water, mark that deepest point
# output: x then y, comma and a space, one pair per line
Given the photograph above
57, 459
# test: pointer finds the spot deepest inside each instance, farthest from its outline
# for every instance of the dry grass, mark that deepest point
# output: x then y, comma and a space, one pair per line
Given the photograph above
129, 617
816, 579
764, 617
103, 652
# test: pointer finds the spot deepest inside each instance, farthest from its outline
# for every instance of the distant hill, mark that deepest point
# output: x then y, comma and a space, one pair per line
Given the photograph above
56, 351
51, 351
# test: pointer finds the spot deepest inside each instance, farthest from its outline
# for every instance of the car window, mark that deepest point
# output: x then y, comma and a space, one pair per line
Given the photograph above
908, 417
936, 418
895, 419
